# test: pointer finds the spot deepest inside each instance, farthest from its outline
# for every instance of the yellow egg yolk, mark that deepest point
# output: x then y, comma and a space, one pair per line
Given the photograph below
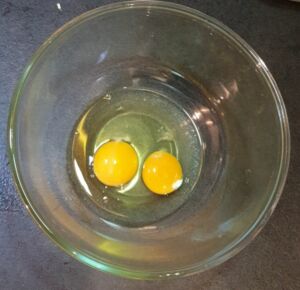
115, 163
162, 173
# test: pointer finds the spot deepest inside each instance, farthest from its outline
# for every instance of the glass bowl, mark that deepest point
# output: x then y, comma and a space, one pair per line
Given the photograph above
223, 87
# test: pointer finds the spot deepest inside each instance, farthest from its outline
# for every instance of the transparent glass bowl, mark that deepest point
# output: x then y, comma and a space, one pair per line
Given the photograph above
245, 171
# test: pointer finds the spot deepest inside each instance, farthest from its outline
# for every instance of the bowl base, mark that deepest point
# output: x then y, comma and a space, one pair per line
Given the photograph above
153, 108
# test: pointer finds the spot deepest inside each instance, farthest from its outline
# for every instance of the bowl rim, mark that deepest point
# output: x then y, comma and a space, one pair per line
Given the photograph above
231, 249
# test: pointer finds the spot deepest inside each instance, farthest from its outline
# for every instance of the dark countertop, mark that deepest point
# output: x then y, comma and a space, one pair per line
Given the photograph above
28, 260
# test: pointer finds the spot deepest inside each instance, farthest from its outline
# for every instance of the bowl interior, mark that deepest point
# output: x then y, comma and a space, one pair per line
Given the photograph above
245, 143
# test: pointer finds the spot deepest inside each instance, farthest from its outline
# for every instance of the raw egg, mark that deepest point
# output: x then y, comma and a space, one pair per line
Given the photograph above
115, 163
162, 173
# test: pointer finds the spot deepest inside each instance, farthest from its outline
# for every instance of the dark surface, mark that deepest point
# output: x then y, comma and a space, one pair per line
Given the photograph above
28, 260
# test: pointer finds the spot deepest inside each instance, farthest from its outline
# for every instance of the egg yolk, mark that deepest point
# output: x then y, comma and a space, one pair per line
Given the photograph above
115, 163
162, 173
